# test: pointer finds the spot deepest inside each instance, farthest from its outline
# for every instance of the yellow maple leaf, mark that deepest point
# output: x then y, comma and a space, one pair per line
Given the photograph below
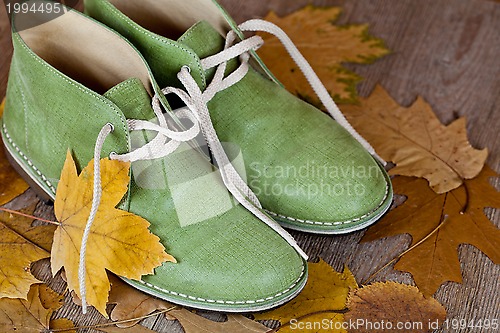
17, 252
416, 141
436, 260
397, 307
320, 303
326, 46
11, 184
119, 241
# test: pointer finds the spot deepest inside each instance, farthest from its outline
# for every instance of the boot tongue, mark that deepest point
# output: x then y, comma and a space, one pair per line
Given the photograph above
132, 98
205, 41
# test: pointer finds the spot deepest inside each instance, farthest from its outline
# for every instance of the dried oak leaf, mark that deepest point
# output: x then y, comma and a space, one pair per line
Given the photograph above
31, 315
18, 249
393, 304
322, 299
326, 46
11, 184
119, 241
435, 261
416, 141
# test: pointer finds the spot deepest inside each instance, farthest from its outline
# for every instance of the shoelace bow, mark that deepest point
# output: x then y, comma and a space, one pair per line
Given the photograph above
167, 140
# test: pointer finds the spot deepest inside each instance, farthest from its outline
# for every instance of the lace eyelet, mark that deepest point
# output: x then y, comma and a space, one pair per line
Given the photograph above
112, 127
112, 155
186, 67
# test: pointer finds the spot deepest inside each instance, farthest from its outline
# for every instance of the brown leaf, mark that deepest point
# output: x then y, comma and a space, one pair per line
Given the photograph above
416, 141
11, 184
323, 298
119, 241
62, 323
134, 329
31, 315
17, 252
192, 323
391, 304
131, 303
435, 260
326, 46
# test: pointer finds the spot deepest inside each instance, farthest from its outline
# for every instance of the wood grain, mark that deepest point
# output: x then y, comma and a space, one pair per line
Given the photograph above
448, 52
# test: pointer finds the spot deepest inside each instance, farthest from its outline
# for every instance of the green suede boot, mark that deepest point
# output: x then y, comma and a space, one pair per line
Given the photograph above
69, 78
308, 172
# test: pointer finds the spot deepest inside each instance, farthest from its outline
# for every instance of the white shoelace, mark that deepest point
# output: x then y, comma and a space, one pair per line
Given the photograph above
167, 140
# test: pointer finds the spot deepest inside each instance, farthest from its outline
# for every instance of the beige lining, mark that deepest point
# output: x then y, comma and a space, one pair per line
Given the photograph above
171, 18
84, 50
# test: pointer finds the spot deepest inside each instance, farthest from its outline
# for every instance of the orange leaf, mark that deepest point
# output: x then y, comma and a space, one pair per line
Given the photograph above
326, 46
435, 260
11, 184
119, 241
391, 304
416, 141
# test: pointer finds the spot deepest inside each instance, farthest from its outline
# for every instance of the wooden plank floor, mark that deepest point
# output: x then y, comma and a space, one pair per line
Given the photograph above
448, 52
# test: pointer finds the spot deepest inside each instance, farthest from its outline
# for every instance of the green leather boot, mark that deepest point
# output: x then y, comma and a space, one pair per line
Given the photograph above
309, 172
69, 78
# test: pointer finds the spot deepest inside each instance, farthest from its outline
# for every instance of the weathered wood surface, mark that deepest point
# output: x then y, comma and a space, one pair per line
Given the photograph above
448, 52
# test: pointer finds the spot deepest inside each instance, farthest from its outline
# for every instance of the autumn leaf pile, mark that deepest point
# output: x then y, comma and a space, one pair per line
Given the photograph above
445, 181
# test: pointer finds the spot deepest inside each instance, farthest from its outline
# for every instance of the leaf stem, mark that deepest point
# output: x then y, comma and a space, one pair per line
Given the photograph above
443, 220
113, 322
341, 311
15, 212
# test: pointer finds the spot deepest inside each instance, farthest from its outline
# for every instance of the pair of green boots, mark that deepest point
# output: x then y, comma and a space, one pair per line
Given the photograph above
71, 76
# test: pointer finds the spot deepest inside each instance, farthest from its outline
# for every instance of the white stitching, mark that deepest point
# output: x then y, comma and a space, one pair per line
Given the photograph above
334, 222
149, 284
30, 163
25, 110
227, 302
